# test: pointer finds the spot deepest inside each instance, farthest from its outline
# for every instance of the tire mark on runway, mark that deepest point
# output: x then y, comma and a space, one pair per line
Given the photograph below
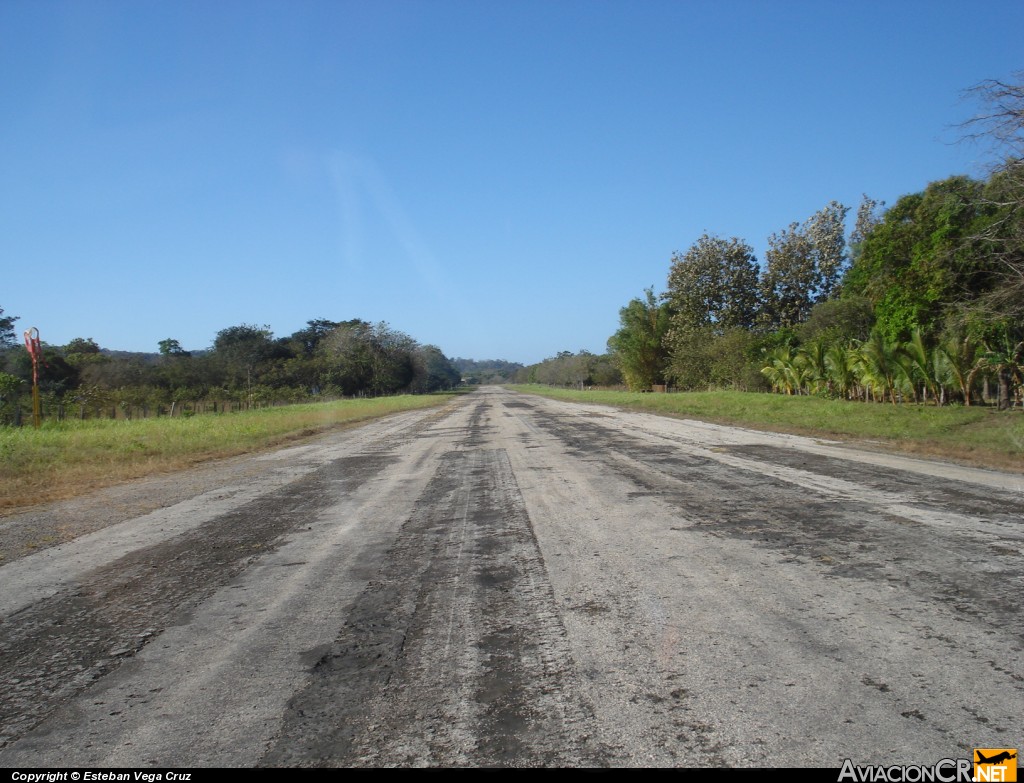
455, 653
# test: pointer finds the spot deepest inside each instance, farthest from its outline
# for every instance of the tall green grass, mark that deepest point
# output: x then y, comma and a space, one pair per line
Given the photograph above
976, 434
63, 458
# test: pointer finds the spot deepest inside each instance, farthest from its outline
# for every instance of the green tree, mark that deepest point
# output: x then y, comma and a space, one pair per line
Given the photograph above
691, 357
434, 371
82, 352
7, 336
922, 365
308, 339
841, 364
639, 345
786, 370
960, 356
732, 360
605, 371
362, 358
803, 266
81, 345
171, 347
346, 356
838, 321
917, 266
713, 284
788, 280
241, 349
393, 359
878, 366
827, 233
867, 218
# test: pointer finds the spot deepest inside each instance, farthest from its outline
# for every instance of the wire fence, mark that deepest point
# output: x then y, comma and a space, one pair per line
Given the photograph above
114, 406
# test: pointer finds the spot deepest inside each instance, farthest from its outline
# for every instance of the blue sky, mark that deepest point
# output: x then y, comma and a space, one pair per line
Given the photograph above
495, 178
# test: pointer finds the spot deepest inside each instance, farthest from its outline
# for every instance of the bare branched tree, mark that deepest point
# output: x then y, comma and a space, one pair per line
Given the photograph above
1000, 124
1001, 120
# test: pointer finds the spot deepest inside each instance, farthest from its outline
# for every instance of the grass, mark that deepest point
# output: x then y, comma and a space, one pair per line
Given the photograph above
66, 458
975, 435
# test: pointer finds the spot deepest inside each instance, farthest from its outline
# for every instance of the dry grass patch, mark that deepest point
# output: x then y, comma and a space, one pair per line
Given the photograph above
68, 458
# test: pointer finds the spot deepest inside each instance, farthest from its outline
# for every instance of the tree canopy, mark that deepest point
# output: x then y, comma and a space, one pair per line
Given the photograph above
920, 261
713, 284
804, 265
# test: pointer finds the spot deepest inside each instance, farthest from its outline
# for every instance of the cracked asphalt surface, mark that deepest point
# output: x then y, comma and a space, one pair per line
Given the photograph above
516, 581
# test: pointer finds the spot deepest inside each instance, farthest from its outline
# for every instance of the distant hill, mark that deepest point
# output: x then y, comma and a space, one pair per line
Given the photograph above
144, 356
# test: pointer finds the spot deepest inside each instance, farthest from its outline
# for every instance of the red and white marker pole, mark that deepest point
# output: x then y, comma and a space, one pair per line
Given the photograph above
35, 350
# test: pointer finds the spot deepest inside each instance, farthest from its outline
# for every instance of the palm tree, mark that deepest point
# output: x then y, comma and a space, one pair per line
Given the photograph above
878, 365
959, 357
813, 361
840, 361
918, 365
785, 371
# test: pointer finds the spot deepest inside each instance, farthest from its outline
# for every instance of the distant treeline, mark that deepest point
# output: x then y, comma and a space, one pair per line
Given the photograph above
245, 367
579, 370
483, 371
